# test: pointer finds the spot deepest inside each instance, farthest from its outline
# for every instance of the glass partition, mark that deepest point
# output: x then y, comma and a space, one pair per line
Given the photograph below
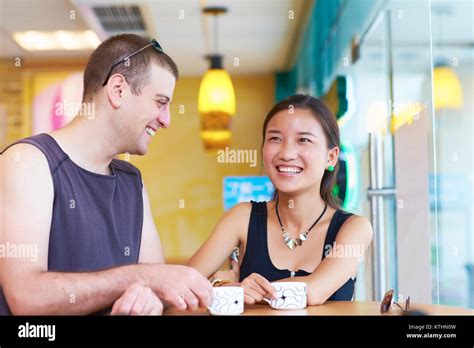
412, 80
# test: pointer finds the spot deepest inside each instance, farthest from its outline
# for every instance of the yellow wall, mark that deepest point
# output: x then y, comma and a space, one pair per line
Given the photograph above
178, 168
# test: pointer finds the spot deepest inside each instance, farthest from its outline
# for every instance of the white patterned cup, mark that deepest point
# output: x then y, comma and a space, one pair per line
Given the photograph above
228, 300
290, 295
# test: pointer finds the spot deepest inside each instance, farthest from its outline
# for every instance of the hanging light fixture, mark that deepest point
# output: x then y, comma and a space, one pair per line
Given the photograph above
216, 102
447, 90
446, 87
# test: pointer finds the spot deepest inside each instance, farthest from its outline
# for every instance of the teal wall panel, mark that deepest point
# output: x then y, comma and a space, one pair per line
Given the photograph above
326, 40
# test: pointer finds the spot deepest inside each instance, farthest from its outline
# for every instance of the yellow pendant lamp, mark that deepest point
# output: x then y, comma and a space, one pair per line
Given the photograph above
446, 88
216, 101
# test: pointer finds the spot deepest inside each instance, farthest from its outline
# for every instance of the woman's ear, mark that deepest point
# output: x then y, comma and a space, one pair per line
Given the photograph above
115, 90
333, 155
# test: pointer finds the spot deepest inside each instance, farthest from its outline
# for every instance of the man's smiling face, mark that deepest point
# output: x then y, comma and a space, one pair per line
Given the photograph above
149, 111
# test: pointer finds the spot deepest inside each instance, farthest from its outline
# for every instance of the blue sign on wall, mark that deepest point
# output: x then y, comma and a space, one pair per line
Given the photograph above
245, 189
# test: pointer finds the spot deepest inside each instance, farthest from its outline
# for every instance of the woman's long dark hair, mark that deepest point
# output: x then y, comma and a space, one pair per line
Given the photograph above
328, 122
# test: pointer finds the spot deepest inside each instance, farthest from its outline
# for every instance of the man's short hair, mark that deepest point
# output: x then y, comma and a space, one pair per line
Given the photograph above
136, 71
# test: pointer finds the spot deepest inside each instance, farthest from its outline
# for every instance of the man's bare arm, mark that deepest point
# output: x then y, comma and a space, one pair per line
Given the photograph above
29, 288
150, 246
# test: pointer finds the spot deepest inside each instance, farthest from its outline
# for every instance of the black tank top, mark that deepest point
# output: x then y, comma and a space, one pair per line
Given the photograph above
96, 220
257, 258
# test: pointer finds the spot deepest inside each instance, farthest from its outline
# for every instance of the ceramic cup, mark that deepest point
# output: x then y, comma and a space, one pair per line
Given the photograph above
290, 295
228, 300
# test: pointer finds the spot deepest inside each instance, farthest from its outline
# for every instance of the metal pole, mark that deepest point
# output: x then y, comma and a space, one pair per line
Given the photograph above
377, 215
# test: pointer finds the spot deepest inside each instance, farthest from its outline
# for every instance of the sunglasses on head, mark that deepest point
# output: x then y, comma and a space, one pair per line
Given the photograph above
388, 300
153, 43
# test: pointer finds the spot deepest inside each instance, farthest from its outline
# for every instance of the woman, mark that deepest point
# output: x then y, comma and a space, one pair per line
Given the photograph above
290, 237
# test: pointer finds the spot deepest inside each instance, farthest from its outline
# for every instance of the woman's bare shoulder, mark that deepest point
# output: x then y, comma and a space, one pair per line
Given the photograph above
356, 228
239, 211
238, 217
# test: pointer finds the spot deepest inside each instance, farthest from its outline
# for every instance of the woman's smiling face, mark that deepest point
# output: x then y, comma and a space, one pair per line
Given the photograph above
295, 151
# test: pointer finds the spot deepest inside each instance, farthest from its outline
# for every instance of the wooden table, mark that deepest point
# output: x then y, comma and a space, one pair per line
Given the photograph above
338, 308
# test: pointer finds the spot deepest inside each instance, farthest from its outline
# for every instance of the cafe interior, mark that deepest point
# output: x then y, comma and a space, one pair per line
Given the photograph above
398, 75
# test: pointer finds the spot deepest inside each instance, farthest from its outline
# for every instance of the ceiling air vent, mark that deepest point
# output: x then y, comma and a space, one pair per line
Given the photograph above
120, 18
107, 18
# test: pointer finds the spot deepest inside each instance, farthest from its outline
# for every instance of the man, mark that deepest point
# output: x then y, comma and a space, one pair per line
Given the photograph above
87, 214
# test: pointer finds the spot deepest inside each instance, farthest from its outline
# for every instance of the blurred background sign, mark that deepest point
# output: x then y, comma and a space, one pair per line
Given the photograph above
245, 189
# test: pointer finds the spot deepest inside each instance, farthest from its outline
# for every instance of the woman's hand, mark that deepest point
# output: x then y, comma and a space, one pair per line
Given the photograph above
256, 288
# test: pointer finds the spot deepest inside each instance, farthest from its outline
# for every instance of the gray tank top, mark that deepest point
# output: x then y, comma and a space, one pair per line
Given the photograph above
96, 220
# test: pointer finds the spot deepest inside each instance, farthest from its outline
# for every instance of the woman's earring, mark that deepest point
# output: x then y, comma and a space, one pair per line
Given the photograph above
330, 168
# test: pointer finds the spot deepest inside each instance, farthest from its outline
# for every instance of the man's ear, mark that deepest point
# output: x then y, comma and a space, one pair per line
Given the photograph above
116, 89
333, 155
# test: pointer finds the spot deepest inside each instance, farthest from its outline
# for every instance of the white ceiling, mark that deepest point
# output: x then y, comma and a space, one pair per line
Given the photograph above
257, 32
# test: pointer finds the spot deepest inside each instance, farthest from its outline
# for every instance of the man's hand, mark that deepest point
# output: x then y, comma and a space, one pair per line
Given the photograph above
179, 286
138, 300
